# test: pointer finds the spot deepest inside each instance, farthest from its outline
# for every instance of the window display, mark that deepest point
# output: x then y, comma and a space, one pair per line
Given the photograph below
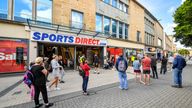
13, 55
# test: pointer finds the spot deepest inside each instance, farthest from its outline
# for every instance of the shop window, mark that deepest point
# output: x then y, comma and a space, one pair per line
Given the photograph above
120, 30
77, 19
114, 28
13, 55
114, 3
44, 10
126, 31
3, 9
22, 10
98, 23
106, 25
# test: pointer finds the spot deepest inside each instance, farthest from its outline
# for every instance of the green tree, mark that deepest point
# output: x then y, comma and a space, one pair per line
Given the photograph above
184, 52
183, 19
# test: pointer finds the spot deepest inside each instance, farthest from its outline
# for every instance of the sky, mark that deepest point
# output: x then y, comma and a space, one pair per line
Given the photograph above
163, 10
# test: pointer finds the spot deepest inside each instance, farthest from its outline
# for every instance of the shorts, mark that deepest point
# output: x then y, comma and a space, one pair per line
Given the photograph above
146, 71
56, 73
96, 64
137, 71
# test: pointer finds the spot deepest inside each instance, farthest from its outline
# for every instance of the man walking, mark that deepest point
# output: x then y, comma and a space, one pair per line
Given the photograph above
154, 66
121, 66
170, 61
163, 65
146, 64
178, 64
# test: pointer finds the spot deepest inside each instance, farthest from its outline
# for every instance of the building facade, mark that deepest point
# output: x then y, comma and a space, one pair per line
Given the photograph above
72, 28
167, 46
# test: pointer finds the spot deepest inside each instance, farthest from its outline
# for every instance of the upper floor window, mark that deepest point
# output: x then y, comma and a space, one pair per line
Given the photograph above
44, 10
77, 19
120, 30
107, 1
120, 5
159, 42
98, 23
3, 9
22, 10
138, 36
125, 8
114, 28
106, 25
114, 3
126, 31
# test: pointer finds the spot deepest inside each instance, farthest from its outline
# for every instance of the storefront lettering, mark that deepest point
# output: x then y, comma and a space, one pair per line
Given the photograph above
4, 56
37, 36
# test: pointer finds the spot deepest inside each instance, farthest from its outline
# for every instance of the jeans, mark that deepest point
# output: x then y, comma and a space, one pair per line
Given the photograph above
85, 83
154, 70
164, 69
123, 80
177, 75
43, 90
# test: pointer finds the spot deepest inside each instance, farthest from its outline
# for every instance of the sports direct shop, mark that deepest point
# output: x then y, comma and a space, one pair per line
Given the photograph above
59, 38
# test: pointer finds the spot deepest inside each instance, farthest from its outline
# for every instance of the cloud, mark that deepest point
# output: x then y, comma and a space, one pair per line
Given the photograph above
171, 10
25, 14
45, 15
182, 1
169, 28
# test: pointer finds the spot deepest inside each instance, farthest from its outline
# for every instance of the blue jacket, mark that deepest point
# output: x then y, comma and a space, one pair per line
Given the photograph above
118, 60
179, 62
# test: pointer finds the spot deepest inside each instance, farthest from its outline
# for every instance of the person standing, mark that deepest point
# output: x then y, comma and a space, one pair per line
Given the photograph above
62, 71
96, 63
163, 65
85, 67
121, 66
170, 61
146, 65
56, 72
178, 64
154, 66
47, 67
136, 68
39, 74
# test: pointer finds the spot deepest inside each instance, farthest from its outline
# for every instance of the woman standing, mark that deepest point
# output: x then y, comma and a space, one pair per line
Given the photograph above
86, 69
56, 72
39, 74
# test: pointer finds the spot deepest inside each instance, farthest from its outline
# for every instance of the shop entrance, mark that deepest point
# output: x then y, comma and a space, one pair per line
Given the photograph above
70, 53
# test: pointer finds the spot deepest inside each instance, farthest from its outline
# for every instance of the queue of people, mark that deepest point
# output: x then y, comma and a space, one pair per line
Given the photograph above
142, 67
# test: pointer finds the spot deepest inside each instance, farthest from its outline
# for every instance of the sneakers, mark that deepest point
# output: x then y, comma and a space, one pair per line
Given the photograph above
57, 88
38, 106
62, 81
49, 105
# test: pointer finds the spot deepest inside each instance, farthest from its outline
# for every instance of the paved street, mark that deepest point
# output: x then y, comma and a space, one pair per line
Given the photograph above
157, 95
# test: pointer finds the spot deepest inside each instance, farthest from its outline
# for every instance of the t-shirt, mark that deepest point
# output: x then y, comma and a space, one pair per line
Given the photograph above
170, 59
146, 63
39, 76
96, 59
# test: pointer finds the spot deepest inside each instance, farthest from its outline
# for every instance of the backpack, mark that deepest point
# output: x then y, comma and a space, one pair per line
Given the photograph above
28, 78
122, 66
81, 71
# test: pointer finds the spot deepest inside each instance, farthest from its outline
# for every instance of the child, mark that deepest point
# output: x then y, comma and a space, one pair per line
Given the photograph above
28, 79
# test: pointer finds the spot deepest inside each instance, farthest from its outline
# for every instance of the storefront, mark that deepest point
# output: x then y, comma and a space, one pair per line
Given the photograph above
70, 47
115, 47
13, 55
